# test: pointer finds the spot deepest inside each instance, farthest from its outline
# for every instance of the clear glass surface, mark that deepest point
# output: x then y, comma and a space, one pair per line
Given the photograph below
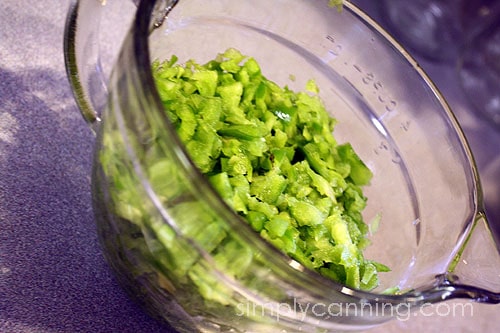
425, 186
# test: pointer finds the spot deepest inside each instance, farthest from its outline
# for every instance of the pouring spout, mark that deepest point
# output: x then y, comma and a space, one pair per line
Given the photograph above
475, 271
476, 294
447, 290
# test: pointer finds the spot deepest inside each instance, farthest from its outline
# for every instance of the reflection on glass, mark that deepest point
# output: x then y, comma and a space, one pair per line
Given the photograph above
430, 28
479, 65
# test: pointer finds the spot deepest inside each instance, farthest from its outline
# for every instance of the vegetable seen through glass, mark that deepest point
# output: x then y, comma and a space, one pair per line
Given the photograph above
270, 154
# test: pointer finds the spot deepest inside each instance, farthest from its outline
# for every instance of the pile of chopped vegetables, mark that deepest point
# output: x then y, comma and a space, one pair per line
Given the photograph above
271, 155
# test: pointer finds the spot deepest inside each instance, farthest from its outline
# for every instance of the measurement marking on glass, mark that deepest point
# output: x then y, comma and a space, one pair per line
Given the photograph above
368, 78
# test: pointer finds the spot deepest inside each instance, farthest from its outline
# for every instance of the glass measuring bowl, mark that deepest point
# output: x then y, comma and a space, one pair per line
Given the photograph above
432, 233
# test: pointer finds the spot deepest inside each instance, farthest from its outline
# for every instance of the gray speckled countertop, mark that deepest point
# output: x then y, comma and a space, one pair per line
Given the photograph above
53, 277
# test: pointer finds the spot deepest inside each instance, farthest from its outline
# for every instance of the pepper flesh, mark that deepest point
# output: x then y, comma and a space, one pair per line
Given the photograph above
271, 155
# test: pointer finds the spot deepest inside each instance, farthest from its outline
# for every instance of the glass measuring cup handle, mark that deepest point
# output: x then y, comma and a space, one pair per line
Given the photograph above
82, 54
